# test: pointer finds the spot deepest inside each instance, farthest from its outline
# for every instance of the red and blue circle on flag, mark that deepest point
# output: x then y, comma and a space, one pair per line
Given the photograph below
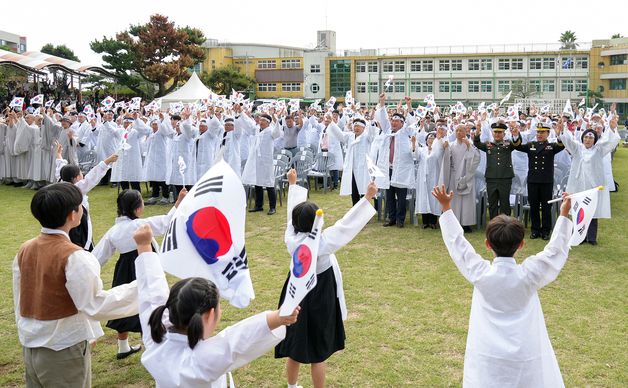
210, 233
301, 261
580, 216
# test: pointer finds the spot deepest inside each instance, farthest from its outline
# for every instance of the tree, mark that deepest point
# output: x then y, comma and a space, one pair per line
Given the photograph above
61, 50
568, 40
524, 90
594, 96
158, 52
616, 36
223, 79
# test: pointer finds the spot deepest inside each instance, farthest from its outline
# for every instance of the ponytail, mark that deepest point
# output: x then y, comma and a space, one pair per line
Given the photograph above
195, 329
157, 328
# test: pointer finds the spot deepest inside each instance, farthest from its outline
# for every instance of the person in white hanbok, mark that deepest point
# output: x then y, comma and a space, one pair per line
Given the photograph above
259, 170
83, 130
108, 141
206, 145
587, 168
331, 144
156, 161
50, 132
178, 327
27, 143
355, 175
430, 159
507, 344
128, 169
181, 145
4, 160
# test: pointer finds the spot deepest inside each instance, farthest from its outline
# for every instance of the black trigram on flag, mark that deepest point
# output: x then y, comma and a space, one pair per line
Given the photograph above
310, 282
170, 239
236, 264
313, 234
211, 185
291, 289
586, 200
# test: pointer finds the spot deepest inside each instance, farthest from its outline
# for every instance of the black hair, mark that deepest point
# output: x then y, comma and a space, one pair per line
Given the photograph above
176, 117
128, 201
303, 217
69, 172
189, 299
51, 205
505, 235
592, 131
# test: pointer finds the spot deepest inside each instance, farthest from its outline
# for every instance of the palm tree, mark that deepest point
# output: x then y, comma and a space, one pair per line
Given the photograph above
616, 36
568, 40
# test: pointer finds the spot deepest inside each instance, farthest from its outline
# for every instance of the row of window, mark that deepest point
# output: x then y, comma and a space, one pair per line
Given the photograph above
541, 63
620, 59
618, 84
285, 87
485, 86
285, 64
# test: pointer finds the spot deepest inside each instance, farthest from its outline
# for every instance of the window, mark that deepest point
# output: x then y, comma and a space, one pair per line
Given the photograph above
372, 67
474, 64
415, 65
399, 87
619, 59
536, 63
428, 87
315, 68
400, 66
618, 84
581, 85
373, 87
535, 86
582, 63
267, 87
549, 63
360, 67
566, 85
443, 86
474, 86
516, 64
339, 77
486, 64
486, 86
456, 64
290, 63
504, 64
415, 86
444, 65
360, 87
387, 66
567, 63
503, 86
427, 65
456, 86
549, 86
290, 87
266, 64
315, 88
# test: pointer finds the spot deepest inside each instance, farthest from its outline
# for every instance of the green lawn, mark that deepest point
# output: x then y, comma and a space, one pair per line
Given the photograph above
408, 305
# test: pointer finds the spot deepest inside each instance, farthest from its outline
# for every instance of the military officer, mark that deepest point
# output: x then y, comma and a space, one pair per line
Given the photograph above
540, 178
499, 172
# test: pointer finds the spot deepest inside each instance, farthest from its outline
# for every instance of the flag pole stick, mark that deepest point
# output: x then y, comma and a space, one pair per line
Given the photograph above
569, 196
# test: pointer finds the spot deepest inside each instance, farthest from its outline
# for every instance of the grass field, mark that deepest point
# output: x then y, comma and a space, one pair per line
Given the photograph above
408, 305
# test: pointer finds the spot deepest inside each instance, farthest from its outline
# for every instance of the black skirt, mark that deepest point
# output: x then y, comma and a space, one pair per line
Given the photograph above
125, 273
319, 331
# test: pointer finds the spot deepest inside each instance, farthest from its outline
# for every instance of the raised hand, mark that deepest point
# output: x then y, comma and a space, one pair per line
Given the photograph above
292, 176
371, 191
444, 198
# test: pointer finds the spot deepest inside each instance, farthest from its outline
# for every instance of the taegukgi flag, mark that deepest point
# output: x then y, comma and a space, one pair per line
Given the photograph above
583, 206
303, 268
205, 237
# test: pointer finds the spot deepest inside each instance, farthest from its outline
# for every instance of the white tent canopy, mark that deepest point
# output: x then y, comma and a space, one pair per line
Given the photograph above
192, 91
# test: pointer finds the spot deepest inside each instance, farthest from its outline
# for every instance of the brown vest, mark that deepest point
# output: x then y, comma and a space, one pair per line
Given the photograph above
42, 262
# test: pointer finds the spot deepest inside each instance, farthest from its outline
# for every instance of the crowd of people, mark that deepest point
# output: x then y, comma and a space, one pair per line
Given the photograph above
444, 159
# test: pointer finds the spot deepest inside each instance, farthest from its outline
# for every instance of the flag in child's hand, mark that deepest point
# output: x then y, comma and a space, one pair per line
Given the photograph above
583, 206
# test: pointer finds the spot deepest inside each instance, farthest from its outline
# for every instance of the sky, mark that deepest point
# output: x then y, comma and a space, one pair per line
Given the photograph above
358, 24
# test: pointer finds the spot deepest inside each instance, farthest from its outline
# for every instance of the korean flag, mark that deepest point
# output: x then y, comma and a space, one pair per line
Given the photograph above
583, 206
206, 235
303, 268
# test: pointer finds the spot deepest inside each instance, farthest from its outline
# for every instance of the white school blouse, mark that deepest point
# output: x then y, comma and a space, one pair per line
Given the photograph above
508, 344
172, 363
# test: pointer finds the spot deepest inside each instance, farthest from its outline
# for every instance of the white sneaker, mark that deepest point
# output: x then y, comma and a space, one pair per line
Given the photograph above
164, 201
151, 201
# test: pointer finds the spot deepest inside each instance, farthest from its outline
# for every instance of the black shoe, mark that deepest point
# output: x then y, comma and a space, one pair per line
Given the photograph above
467, 229
271, 212
593, 242
434, 226
400, 225
256, 209
390, 223
534, 236
425, 226
135, 349
545, 236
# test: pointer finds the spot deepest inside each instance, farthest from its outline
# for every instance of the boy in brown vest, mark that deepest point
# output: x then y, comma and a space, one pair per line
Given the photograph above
59, 296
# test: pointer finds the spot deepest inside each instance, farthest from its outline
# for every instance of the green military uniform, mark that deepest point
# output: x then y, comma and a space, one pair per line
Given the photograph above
499, 172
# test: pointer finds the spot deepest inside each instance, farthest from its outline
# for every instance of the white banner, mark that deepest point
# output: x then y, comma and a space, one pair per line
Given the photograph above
206, 235
583, 206
303, 268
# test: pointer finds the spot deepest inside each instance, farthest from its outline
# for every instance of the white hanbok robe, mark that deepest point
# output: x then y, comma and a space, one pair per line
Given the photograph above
229, 143
428, 174
182, 144
259, 169
25, 138
355, 158
109, 139
157, 148
50, 132
172, 362
4, 160
311, 132
508, 344
458, 175
403, 172
206, 146
333, 147
69, 145
129, 168
587, 167
83, 133
11, 168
